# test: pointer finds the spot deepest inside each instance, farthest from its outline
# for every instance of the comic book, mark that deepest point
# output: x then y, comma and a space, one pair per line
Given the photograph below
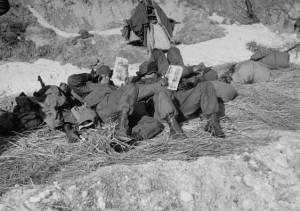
120, 71
174, 74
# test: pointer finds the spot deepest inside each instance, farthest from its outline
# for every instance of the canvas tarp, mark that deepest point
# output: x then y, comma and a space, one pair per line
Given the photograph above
225, 91
274, 60
251, 72
139, 22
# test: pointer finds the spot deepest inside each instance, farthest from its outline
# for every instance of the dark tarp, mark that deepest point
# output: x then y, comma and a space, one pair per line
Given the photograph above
4, 7
139, 22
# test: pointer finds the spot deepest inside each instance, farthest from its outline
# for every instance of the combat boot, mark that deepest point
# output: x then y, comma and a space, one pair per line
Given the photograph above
122, 129
221, 109
70, 133
136, 136
176, 131
213, 126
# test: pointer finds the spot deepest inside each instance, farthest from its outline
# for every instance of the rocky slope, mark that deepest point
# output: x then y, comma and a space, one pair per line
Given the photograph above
34, 41
72, 15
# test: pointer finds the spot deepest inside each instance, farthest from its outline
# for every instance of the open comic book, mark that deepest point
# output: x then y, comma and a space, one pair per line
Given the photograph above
120, 72
174, 74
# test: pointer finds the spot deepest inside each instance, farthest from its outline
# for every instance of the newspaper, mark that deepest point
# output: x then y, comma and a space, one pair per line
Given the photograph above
120, 72
173, 74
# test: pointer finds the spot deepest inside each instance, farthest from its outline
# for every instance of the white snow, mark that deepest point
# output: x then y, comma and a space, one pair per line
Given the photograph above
232, 47
21, 76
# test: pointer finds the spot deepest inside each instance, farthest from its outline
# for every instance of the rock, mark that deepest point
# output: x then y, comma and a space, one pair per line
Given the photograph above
2, 207
70, 192
41, 196
186, 197
101, 203
84, 194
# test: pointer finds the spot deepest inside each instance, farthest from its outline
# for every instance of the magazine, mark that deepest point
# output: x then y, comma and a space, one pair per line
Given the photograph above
120, 72
173, 74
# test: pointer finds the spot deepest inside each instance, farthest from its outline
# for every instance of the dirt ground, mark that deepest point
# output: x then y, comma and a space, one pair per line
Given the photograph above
265, 179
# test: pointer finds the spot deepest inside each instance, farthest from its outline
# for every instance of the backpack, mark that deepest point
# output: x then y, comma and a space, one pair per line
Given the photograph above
7, 122
26, 114
28, 120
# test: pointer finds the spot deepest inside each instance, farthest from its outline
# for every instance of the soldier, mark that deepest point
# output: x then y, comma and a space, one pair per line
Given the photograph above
186, 100
110, 102
153, 91
115, 104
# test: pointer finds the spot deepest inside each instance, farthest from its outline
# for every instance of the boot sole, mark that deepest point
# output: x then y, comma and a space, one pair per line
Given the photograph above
123, 138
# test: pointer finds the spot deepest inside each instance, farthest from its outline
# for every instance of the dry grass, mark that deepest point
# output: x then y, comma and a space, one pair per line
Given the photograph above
42, 155
258, 48
275, 103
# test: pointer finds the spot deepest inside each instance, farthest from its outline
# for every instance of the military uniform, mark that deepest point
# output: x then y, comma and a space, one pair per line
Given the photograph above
186, 100
105, 98
109, 101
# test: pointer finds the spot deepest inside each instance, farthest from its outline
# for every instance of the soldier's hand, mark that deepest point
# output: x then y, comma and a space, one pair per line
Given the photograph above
127, 80
164, 82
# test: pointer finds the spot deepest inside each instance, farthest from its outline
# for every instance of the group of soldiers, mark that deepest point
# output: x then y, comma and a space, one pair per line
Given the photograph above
140, 107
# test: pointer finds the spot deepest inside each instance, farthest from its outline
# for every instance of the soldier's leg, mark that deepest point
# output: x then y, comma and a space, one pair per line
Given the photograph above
119, 105
174, 57
163, 104
166, 110
161, 61
203, 97
122, 99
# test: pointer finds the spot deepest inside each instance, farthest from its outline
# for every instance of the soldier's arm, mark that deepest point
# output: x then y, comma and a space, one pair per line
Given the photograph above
77, 82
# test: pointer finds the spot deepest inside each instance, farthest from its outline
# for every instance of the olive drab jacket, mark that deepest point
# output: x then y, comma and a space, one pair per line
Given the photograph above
91, 92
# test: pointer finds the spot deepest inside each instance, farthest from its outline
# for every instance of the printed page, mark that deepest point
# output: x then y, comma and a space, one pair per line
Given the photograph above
120, 72
174, 74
